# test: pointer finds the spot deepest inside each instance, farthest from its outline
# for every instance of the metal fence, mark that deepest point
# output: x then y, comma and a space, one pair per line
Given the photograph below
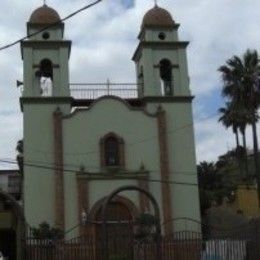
237, 244
94, 91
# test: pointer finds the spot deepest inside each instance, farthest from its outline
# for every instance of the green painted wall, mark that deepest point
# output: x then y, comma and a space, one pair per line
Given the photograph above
82, 131
38, 146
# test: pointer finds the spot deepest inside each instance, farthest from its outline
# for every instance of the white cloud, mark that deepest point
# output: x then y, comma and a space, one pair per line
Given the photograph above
104, 39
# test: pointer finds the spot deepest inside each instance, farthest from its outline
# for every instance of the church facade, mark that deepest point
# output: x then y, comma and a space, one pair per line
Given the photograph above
78, 149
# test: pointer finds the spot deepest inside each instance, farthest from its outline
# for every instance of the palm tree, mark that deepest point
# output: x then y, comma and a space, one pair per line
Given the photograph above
233, 116
228, 120
241, 78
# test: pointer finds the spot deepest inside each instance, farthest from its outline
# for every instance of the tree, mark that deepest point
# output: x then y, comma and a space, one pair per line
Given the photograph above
241, 78
19, 157
45, 231
214, 185
228, 119
231, 116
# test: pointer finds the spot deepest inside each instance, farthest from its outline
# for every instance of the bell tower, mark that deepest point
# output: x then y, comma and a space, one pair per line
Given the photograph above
45, 55
46, 89
160, 57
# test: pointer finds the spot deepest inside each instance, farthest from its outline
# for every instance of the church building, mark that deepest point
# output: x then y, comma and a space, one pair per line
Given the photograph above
83, 142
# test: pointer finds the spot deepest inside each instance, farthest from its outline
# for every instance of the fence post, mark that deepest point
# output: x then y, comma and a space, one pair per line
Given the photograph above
108, 87
257, 237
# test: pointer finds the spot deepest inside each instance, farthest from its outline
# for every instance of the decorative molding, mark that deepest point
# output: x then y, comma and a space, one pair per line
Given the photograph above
123, 101
168, 99
37, 44
157, 44
133, 104
112, 173
59, 178
45, 100
165, 171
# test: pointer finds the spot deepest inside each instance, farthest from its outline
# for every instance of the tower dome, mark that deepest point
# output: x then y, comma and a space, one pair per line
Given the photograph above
158, 16
44, 15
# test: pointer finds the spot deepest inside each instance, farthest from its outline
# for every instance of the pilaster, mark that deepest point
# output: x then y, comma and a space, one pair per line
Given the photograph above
165, 171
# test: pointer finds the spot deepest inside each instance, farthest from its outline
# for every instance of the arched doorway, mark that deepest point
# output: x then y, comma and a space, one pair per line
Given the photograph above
12, 227
120, 217
128, 252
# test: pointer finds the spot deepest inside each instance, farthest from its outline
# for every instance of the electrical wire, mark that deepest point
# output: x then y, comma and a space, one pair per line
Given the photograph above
73, 172
169, 132
76, 167
51, 25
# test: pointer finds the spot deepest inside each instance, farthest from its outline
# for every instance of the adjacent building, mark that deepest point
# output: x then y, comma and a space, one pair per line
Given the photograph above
10, 196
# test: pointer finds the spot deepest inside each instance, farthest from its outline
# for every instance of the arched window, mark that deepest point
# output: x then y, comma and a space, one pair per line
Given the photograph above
166, 77
112, 150
45, 75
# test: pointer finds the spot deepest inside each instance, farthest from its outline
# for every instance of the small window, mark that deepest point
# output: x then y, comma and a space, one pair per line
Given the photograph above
166, 77
112, 150
46, 35
162, 36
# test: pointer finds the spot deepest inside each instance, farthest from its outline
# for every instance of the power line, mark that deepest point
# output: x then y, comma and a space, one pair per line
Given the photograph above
169, 132
73, 171
76, 168
51, 25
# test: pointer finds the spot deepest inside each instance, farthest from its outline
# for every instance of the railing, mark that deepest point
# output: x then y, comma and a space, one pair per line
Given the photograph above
94, 91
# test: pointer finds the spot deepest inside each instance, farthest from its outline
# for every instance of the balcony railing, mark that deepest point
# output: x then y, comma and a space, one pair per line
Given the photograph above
94, 91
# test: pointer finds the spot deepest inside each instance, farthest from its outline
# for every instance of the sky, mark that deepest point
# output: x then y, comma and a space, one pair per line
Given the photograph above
104, 39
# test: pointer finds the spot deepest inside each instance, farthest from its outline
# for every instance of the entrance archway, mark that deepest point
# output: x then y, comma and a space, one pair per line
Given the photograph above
12, 230
105, 214
120, 218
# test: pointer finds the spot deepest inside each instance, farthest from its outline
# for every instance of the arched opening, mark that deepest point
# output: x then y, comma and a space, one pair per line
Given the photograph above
12, 227
120, 216
105, 234
45, 76
166, 77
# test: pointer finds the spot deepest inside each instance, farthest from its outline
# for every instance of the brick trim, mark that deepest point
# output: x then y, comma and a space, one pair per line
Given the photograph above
165, 171
59, 178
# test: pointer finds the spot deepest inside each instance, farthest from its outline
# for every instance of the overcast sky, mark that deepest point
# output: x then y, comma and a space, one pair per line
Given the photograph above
104, 39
